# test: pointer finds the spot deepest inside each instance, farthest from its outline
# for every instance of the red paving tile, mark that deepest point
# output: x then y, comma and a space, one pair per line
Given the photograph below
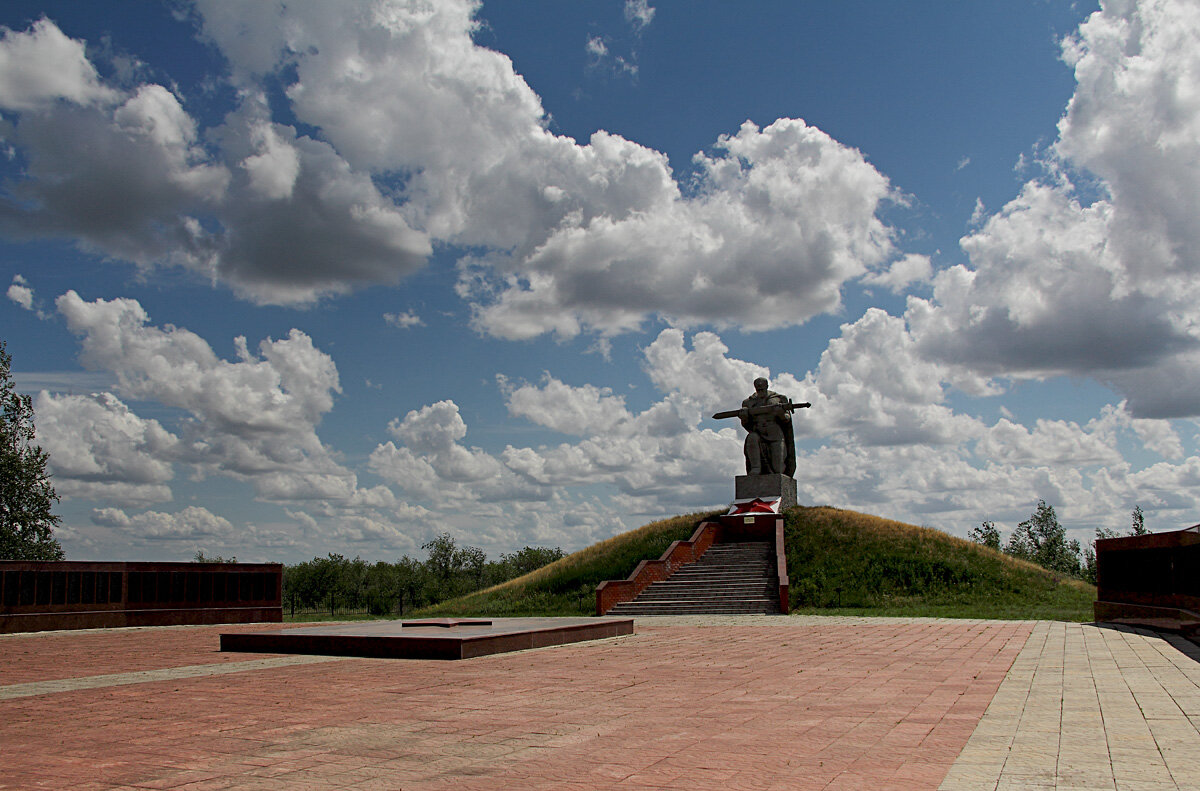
793, 705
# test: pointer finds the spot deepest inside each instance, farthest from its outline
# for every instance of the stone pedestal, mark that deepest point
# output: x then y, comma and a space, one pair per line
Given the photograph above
774, 485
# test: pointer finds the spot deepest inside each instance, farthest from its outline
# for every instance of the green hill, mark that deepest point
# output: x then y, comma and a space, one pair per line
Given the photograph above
839, 562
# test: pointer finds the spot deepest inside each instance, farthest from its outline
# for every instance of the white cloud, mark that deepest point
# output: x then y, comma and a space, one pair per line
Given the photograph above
639, 13
42, 65
189, 524
403, 320
888, 441
704, 374
781, 219
254, 419
597, 236
274, 169
580, 411
300, 222
99, 449
278, 217
426, 136
1106, 290
596, 48
20, 293
902, 273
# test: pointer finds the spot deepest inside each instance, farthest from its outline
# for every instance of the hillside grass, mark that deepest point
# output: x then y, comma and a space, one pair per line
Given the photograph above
849, 563
839, 563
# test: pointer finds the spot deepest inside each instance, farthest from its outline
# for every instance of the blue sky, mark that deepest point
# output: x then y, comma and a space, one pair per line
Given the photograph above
292, 280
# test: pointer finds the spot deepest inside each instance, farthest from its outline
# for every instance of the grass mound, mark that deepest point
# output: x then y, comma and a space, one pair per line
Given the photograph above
852, 563
839, 562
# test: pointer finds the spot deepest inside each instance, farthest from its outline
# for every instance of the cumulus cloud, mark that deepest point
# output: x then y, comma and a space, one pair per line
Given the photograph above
583, 237
42, 66
902, 273
783, 217
99, 449
20, 293
279, 217
1108, 288
189, 524
581, 411
254, 418
425, 136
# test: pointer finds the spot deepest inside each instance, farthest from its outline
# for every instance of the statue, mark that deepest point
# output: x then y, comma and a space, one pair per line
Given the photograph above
770, 442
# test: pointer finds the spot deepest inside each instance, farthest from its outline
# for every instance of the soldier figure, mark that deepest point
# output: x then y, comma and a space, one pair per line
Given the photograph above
770, 441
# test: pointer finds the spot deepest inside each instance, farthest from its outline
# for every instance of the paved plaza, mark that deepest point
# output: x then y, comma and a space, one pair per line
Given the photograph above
725, 703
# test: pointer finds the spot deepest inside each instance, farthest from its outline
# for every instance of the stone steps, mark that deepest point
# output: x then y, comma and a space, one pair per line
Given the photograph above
728, 579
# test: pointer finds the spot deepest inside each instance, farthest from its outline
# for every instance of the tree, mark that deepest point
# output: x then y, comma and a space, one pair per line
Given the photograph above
200, 557
1137, 528
1041, 539
474, 561
445, 559
1139, 522
527, 559
986, 534
26, 494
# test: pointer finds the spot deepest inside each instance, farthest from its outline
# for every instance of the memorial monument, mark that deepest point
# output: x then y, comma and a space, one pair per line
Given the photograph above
770, 445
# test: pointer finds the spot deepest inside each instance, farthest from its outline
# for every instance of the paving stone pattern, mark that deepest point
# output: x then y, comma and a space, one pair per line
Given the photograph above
1090, 708
685, 703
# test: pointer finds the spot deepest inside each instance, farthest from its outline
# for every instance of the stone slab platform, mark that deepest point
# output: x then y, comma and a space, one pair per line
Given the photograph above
436, 638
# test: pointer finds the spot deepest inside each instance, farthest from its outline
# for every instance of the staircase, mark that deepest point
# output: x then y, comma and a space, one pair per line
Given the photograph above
727, 579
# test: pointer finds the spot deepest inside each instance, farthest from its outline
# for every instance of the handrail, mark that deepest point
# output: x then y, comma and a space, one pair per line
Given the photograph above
781, 566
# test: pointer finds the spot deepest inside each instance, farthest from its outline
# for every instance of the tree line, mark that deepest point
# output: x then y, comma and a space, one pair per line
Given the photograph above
336, 582
1042, 540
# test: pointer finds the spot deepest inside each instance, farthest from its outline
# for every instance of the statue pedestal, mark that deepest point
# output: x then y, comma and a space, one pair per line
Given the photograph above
773, 485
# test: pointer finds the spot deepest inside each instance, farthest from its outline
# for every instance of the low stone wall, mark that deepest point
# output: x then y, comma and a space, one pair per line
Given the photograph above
1153, 580
37, 596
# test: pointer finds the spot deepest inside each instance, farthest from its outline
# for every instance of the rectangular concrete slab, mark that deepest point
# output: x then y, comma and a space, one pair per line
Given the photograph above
445, 638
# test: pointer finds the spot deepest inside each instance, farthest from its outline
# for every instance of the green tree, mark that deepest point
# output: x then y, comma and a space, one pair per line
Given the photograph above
474, 561
26, 494
1137, 528
1139, 522
986, 534
383, 590
1041, 539
410, 581
200, 557
445, 559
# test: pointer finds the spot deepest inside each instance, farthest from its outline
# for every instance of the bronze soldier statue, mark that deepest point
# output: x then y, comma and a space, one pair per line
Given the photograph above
770, 441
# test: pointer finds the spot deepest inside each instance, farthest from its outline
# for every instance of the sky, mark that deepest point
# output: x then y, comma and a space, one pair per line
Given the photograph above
286, 280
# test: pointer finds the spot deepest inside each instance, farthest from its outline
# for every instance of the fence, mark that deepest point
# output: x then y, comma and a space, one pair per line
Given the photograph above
36, 596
